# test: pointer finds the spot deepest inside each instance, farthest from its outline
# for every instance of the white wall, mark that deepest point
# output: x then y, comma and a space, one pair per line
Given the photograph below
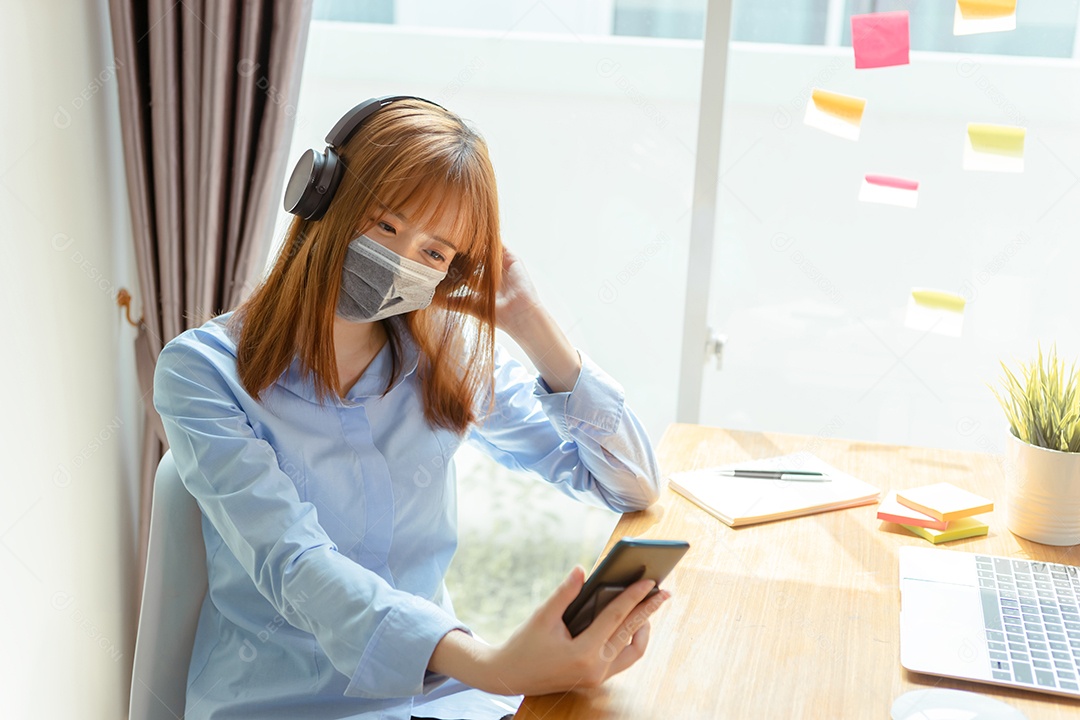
66, 521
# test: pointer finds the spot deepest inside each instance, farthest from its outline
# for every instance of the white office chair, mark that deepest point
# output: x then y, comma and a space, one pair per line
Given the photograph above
173, 592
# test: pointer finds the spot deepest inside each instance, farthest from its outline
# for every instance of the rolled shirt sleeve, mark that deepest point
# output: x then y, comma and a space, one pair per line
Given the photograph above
379, 637
586, 441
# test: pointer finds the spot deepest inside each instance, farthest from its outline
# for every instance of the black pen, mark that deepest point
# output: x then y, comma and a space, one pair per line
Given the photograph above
798, 475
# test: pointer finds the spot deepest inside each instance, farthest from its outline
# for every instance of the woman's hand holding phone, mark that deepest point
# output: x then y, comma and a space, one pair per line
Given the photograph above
542, 657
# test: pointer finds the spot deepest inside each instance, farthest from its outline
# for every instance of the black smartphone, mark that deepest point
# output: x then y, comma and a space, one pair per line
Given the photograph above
629, 560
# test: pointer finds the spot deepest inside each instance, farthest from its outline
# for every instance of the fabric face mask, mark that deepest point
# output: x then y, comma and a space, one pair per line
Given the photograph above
377, 283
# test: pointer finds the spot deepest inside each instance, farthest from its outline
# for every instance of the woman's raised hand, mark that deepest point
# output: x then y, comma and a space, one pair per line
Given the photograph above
519, 314
517, 301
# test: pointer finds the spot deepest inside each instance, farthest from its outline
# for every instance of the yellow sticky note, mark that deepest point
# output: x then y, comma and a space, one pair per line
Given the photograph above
939, 299
994, 148
986, 8
935, 311
1000, 139
837, 114
957, 530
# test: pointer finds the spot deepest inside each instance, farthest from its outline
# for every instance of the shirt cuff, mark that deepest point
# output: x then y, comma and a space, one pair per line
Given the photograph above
395, 661
596, 400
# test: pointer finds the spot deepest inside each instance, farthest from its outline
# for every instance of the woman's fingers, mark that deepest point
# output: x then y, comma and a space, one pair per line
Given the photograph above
624, 636
612, 617
632, 652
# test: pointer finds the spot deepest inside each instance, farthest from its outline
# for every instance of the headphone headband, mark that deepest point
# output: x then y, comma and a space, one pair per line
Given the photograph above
316, 176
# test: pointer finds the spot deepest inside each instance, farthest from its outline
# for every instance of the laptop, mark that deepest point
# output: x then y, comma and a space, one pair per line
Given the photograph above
990, 619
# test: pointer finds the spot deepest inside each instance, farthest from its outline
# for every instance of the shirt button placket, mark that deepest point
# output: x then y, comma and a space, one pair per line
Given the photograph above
378, 528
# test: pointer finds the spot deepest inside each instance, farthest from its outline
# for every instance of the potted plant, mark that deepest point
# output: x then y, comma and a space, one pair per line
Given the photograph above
1042, 470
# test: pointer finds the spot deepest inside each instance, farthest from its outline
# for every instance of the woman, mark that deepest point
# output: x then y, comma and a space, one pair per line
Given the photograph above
316, 428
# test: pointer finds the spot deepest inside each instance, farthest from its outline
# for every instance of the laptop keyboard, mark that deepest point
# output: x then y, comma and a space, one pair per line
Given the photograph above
1032, 619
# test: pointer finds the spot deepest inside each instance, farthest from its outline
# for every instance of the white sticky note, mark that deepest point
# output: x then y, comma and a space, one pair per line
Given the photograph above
836, 114
889, 191
972, 17
994, 148
936, 311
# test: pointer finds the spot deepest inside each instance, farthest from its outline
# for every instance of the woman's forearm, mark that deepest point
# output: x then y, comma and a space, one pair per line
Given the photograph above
461, 656
549, 349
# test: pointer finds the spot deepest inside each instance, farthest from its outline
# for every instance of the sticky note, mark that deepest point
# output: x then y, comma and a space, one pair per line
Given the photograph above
880, 39
936, 311
986, 8
957, 530
840, 115
944, 501
891, 511
984, 16
994, 148
889, 190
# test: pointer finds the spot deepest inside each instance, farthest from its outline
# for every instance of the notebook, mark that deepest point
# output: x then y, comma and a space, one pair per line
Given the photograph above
990, 619
740, 501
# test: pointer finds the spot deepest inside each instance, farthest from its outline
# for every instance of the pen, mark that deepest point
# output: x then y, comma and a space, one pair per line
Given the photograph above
797, 475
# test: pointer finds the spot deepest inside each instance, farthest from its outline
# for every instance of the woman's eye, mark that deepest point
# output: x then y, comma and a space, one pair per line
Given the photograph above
437, 255
386, 227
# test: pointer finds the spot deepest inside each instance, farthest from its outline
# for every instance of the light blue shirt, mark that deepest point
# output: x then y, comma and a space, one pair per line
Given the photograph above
329, 526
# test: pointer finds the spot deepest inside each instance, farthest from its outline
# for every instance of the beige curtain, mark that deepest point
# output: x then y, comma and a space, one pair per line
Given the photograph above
207, 102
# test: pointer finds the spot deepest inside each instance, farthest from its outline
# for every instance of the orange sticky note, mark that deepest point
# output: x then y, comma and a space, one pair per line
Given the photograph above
986, 8
973, 17
880, 39
837, 114
944, 501
891, 511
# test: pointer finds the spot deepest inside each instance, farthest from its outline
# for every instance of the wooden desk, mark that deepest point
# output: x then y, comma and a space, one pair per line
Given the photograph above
797, 618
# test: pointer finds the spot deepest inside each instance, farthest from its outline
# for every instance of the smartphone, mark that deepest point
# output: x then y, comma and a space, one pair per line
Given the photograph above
629, 560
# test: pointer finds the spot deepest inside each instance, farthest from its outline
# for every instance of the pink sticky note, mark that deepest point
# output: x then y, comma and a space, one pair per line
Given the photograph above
880, 39
893, 182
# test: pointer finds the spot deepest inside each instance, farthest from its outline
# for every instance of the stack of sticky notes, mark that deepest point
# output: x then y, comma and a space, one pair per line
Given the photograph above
938, 513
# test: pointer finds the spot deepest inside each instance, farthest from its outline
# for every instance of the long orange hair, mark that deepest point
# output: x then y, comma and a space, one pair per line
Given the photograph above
408, 153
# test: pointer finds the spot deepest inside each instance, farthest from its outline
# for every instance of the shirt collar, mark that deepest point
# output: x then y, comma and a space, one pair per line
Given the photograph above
375, 378
372, 383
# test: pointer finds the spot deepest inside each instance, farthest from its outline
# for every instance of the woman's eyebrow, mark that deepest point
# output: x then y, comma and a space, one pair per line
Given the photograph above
436, 238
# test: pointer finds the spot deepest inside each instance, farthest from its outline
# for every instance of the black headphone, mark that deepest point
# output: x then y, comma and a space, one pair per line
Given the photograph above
317, 175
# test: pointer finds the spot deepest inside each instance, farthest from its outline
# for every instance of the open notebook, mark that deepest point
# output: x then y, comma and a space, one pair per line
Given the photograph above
745, 501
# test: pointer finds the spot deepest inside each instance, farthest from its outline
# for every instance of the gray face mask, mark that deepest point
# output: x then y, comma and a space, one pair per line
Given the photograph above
377, 283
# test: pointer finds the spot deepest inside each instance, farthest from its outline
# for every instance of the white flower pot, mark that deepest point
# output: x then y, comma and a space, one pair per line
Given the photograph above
1042, 493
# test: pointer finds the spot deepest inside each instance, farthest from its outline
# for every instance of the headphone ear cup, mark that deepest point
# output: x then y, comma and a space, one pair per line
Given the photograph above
313, 183
301, 196
330, 174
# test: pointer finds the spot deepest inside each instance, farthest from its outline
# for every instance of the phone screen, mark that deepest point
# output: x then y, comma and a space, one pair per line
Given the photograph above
629, 560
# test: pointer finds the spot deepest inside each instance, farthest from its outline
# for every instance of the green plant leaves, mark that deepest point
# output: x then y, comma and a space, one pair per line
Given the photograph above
1043, 404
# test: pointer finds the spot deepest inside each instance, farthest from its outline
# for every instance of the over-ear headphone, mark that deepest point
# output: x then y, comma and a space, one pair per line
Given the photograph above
317, 175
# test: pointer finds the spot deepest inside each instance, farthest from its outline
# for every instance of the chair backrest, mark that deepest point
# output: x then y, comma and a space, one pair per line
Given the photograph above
173, 593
